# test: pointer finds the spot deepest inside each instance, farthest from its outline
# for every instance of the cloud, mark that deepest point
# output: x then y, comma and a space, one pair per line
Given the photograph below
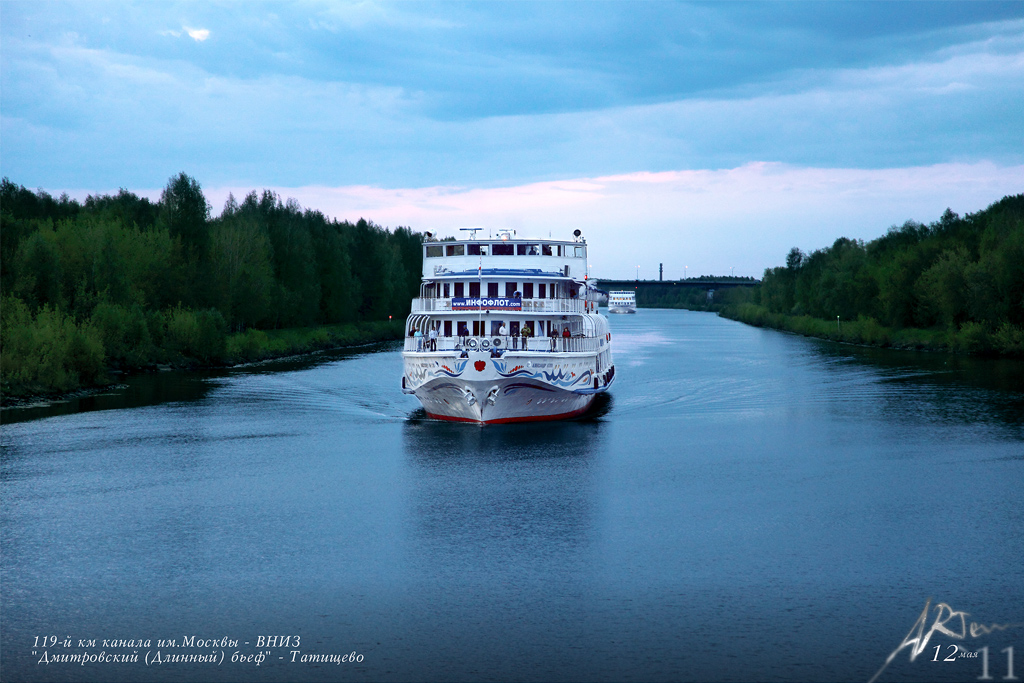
134, 117
746, 217
197, 34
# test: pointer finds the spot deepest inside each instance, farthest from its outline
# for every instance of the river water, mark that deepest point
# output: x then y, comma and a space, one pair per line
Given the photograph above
745, 505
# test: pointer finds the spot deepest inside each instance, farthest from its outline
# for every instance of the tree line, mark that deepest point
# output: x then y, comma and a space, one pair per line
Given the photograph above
962, 278
121, 281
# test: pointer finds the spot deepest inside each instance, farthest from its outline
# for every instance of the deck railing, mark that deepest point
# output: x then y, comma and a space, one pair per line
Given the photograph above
507, 343
426, 305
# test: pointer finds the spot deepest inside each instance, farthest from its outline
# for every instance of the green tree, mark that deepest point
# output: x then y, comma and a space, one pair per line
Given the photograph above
184, 211
39, 270
242, 272
942, 291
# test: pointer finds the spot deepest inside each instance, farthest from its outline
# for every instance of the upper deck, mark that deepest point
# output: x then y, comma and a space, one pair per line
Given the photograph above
548, 256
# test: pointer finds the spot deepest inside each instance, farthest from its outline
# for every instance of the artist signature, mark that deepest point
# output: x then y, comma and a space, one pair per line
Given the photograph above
948, 622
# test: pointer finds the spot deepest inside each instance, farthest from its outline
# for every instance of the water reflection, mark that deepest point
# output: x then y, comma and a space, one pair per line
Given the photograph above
158, 388
936, 388
503, 496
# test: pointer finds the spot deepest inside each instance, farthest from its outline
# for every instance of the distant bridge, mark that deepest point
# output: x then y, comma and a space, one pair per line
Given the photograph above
692, 283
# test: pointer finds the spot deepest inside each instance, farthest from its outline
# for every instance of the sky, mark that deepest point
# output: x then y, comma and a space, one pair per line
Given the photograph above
710, 137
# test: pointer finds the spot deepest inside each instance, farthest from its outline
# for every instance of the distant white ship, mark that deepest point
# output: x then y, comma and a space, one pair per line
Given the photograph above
506, 330
622, 302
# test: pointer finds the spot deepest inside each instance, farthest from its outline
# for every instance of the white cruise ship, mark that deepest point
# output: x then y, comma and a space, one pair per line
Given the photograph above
506, 330
622, 302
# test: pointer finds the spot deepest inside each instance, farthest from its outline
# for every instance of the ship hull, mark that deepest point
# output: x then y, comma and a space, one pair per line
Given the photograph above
486, 390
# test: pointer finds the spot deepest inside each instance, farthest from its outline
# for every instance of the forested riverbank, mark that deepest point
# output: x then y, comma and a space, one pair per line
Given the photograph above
956, 284
121, 282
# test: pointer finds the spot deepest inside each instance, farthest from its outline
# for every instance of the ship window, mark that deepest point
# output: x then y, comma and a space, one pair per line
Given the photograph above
474, 289
456, 249
502, 249
579, 252
476, 249
459, 289
527, 290
434, 251
447, 328
446, 293
463, 330
542, 291
495, 326
477, 327
510, 289
545, 249
492, 289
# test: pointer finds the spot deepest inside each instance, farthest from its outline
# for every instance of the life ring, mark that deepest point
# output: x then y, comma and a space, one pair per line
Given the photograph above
497, 342
471, 343
484, 344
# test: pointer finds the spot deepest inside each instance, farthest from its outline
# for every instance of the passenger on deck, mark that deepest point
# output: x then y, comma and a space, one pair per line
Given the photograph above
565, 338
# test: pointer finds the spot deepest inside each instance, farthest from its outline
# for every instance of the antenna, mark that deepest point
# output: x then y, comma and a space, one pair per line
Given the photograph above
472, 232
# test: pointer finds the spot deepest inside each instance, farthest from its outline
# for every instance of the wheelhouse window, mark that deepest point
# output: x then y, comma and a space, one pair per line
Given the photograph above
545, 249
579, 252
476, 249
435, 250
502, 249
456, 249
528, 249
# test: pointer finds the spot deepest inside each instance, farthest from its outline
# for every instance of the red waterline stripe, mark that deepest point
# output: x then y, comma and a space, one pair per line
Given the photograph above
507, 420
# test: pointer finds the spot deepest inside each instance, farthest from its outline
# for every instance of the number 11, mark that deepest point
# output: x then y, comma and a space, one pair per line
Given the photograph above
1009, 665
